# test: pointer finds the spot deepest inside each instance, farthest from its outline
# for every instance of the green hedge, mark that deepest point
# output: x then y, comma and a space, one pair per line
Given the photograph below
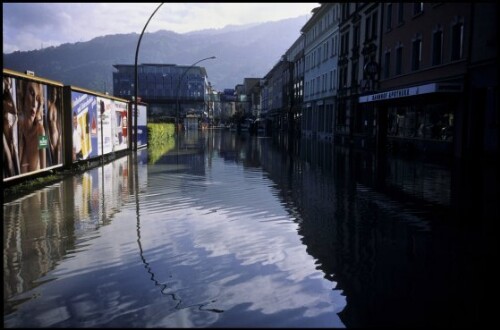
160, 140
160, 133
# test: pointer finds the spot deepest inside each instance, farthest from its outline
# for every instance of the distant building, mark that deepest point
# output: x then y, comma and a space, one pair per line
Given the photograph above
275, 91
166, 88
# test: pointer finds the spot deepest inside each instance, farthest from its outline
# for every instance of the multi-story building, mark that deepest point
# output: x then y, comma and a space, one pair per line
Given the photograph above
424, 58
170, 90
242, 105
274, 94
295, 55
358, 64
252, 88
228, 104
248, 96
416, 76
265, 102
321, 35
481, 121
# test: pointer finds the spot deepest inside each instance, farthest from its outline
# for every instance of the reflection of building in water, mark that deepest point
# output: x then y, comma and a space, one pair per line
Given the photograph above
392, 267
189, 152
238, 148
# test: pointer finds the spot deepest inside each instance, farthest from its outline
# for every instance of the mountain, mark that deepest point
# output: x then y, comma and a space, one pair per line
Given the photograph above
241, 52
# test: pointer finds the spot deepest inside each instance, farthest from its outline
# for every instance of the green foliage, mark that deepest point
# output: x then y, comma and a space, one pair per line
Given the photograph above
160, 133
156, 151
160, 140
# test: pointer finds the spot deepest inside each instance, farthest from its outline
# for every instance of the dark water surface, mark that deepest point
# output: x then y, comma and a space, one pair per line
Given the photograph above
228, 230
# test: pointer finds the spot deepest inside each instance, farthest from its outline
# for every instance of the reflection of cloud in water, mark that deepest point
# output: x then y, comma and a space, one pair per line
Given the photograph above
218, 254
271, 268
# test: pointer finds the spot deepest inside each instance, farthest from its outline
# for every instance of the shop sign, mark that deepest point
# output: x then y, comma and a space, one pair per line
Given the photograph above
398, 93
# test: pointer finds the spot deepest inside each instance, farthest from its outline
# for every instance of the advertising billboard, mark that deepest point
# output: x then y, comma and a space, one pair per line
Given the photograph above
100, 125
142, 129
32, 126
115, 124
85, 126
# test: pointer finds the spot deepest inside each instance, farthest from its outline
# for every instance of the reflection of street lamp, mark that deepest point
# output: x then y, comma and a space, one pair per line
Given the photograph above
179, 85
136, 80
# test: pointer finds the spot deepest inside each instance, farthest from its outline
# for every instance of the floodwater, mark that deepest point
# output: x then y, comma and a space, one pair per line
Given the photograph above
219, 229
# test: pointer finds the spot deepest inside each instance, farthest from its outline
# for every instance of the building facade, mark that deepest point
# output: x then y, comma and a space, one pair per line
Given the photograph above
424, 52
360, 39
295, 55
170, 90
321, 35
417, 77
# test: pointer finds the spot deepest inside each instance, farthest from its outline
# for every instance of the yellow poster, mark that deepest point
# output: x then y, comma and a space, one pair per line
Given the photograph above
83, 122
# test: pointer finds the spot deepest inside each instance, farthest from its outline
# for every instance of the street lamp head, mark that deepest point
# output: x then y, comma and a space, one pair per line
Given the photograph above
179, 85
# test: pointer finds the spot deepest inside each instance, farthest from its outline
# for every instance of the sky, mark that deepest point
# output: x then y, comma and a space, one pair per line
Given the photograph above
29, 26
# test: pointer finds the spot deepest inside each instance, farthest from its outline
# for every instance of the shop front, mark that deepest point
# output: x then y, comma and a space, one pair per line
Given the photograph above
417, 119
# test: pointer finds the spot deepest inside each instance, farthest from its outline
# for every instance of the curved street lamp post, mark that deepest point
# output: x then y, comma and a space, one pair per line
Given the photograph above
179, 85
136, 79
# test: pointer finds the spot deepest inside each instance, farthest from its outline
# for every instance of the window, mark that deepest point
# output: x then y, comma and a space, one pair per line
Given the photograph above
345, 11
355, 38
344, 47
354, 73
368, 24
401, 8
457, 39
334, 79
437, 47
371, 26
418, 7
416, 54
374, 25
399, 60
388, 21
387, 64
343, 77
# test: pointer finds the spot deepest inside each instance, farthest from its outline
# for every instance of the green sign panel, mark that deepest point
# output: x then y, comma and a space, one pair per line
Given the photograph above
43, 142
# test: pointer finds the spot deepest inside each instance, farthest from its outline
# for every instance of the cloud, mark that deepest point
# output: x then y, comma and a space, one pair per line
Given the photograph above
27, 26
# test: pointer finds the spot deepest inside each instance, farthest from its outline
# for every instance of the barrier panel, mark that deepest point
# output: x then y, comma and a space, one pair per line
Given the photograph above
49, 125
32, 125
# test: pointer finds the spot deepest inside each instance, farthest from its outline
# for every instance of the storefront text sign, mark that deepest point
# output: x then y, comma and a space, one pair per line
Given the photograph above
398, 93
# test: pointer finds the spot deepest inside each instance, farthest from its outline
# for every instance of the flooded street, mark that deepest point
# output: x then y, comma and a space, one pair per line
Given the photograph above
222, 229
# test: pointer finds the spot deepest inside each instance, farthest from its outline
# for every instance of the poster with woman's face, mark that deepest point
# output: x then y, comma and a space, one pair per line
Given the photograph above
32, 128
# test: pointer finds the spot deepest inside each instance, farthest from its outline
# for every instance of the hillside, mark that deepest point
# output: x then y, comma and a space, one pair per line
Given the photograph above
244, 51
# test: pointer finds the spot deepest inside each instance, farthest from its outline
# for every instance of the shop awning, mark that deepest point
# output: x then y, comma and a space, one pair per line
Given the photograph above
412, 91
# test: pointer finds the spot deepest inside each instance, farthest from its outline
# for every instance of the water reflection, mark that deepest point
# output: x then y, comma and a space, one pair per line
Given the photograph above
382, 230
52, 224
232, 230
